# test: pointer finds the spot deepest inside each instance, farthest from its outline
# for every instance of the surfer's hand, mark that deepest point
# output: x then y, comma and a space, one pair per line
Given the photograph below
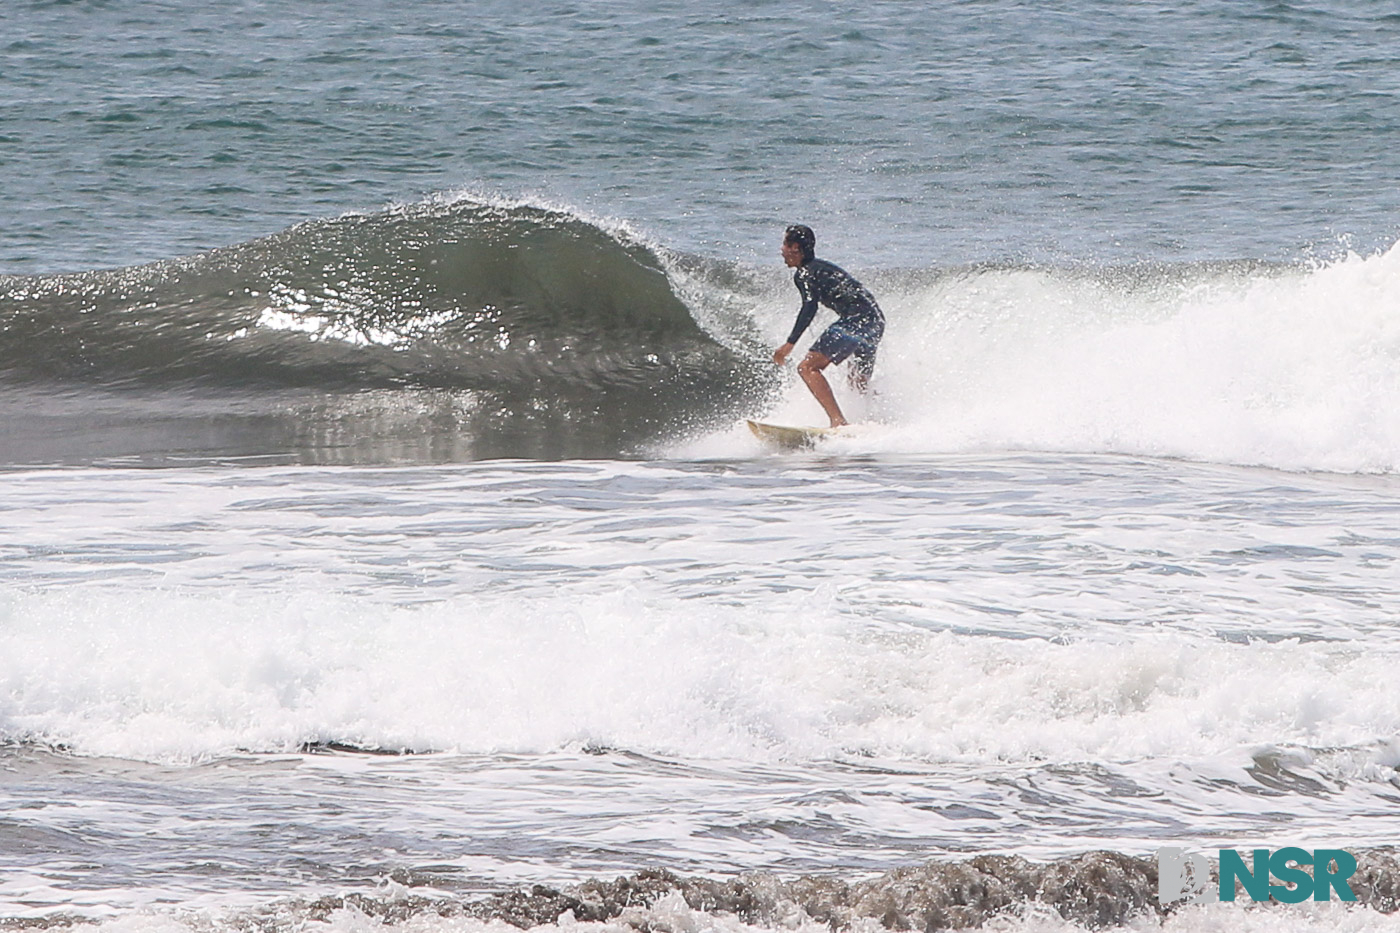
780, 355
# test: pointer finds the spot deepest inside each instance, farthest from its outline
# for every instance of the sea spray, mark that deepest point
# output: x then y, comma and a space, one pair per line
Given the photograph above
1289, 366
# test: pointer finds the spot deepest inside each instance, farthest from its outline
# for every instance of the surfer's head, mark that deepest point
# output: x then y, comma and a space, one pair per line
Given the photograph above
799, 244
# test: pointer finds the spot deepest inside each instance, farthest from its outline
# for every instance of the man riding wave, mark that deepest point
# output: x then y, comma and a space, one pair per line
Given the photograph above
855, 334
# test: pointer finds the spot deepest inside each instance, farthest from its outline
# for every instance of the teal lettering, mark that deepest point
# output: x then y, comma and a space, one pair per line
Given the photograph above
1232, 868
1302, 881
1324, 881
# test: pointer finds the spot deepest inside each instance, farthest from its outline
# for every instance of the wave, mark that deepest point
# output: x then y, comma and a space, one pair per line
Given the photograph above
456, 329
658, 675
446, 295
530, 330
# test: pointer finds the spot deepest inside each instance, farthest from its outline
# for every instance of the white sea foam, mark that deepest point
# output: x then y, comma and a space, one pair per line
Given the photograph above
1295, 369
161, 675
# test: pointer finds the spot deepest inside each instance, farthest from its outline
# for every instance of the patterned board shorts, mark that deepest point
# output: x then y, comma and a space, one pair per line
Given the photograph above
857, 340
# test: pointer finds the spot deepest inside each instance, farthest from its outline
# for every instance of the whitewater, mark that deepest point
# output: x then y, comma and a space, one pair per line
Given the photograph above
367, 572
260, 687
447, 511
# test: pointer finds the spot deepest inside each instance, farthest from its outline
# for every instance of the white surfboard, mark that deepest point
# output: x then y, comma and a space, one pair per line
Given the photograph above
784, 437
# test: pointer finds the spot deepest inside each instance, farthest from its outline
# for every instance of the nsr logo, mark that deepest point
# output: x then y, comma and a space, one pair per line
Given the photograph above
1185, 876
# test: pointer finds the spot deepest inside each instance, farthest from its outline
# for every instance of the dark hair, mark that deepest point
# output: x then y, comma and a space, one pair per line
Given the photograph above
802, 235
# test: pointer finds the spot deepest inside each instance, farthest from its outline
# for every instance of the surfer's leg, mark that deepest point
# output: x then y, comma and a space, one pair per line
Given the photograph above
861, 367
844, 340
810, 369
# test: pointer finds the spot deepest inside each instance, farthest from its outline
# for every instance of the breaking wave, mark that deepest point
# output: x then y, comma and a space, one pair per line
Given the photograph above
458, 329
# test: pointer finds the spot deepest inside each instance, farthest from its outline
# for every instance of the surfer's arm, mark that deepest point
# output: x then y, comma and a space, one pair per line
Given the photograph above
804, 317
808, 288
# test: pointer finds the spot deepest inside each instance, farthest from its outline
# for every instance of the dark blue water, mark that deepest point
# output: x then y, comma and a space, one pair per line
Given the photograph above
906, 134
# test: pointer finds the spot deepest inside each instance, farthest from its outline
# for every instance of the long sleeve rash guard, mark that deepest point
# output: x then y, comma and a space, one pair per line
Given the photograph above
822, 282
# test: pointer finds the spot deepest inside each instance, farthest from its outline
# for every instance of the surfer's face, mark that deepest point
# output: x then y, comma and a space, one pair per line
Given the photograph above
792, 254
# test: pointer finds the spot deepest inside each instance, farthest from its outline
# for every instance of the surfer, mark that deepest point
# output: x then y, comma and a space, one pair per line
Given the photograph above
855, 334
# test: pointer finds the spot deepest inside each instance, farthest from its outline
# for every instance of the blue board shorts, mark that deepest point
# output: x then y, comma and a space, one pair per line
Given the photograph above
857, 340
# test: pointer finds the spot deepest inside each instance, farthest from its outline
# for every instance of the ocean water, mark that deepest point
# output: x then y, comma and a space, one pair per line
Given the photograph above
381, 545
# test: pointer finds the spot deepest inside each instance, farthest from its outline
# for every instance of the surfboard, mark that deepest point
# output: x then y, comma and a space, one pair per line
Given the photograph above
784, 437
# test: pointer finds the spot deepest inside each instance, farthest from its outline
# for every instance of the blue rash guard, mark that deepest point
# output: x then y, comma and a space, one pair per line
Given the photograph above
860, 322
